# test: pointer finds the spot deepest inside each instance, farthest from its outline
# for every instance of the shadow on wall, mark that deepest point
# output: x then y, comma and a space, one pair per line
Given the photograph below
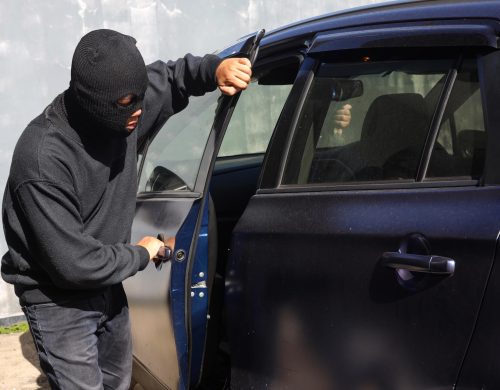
30, 354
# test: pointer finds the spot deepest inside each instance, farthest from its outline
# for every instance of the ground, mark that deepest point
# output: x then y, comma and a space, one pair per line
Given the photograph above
19, 368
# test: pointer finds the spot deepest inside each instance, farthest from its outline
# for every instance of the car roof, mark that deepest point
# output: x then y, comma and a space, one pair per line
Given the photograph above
384, 13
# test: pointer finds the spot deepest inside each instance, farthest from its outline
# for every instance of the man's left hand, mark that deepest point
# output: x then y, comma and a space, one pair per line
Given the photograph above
233, 75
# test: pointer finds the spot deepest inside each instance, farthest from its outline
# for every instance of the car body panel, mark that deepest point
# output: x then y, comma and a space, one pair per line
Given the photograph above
481, 368
390, 12
315, 284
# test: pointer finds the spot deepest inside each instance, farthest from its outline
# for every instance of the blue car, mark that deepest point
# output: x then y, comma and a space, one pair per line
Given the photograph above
336, 223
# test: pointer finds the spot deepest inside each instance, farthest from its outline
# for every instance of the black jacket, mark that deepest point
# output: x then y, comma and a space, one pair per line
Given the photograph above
70, 198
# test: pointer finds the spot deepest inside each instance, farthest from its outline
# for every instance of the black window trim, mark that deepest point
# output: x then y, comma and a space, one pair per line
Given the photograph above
311, 70
168, 194
435, 125
362, 186
274, 158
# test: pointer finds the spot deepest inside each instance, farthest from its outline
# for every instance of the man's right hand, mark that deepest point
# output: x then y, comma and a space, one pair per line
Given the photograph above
233, 75
343, 117
152, 245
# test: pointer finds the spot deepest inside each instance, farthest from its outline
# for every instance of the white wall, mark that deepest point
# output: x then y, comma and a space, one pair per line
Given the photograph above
37, 39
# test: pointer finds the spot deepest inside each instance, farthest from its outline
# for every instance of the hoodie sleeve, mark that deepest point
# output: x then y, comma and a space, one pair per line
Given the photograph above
71, 258
170, 86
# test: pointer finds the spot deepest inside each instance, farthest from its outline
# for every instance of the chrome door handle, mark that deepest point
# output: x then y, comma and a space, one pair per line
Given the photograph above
429, 264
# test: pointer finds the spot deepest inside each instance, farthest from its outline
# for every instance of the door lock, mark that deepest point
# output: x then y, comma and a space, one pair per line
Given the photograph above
180, 255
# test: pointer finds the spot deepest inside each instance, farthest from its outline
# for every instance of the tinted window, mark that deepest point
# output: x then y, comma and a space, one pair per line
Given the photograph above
461, 144
391, 106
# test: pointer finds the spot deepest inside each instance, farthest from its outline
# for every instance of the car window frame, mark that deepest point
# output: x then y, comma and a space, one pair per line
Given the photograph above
271, 179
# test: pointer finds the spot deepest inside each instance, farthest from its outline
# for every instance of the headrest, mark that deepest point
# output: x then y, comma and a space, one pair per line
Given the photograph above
396, 113
395, 125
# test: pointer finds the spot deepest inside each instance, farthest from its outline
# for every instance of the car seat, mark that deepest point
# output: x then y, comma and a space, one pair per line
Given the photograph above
393, 136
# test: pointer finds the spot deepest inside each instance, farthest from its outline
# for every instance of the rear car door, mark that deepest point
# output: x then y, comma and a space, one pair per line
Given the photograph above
375, 241
168, 326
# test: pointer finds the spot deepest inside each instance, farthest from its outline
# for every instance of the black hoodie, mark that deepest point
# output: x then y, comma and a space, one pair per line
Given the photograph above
70, 197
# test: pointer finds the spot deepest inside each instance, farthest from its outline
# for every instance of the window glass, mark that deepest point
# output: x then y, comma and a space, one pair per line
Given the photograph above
365, 121
460, 147
173, 158
254, 118
259, 107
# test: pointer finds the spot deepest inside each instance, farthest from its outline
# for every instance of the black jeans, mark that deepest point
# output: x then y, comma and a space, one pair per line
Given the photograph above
84, 343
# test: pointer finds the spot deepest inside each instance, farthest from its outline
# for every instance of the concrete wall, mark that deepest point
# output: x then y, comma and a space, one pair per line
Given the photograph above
37, 39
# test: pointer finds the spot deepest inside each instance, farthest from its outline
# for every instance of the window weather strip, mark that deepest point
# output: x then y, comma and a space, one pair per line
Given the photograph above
436, 121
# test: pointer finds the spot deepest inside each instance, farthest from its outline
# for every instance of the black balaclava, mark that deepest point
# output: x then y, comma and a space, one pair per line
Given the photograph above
106, 66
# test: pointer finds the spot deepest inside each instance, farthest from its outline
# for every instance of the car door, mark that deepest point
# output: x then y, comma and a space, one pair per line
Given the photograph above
362, 260
168, 326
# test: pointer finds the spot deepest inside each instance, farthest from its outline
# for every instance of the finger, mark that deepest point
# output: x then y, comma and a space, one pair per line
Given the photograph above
237, 83
243, 68
343, 112
342, 124
342, 118
242, 76
170, 242
347, 107
244, 61
230, 91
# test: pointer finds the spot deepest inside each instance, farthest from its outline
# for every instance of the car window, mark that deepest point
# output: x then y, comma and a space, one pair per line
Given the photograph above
253, 120
461, 143
391, 104
258, 109
173, 158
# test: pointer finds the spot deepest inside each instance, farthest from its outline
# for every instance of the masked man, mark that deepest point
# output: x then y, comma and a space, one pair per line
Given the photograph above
70, 200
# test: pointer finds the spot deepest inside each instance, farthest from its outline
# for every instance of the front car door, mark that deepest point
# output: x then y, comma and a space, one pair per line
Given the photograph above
168, 326
363, 258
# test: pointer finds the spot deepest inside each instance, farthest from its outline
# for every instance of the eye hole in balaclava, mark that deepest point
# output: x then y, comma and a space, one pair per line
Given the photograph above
106, 66
127, 101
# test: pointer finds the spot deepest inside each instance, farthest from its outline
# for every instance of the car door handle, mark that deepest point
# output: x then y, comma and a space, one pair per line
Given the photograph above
429, 264
164, 253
